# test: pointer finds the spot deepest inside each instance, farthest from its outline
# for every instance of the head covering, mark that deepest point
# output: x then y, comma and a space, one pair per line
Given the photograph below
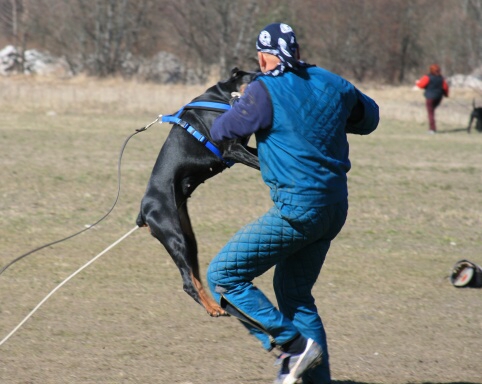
434, 70
278, 39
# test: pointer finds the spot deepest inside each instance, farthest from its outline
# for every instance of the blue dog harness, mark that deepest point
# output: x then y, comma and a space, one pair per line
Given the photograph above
209, 105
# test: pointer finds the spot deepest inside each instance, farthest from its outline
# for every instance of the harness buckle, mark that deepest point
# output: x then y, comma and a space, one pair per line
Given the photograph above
183, 124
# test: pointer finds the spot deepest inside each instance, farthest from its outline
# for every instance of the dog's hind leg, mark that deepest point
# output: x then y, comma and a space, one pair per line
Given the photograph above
470, 122
212, 308
173, 229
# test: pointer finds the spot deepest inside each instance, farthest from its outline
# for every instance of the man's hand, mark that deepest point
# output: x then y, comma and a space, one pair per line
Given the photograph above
236, 95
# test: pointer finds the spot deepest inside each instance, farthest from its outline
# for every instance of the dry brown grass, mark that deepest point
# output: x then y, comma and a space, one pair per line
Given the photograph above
390, 313
404, 103
88, 95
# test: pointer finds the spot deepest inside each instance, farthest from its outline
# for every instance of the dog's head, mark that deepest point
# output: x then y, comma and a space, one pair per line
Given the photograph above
240, 78
223, 91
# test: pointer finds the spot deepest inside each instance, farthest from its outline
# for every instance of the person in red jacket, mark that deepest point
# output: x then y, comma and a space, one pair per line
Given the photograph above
435, 89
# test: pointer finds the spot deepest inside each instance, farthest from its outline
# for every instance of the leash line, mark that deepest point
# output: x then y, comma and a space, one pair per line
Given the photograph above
102, 218
65, 281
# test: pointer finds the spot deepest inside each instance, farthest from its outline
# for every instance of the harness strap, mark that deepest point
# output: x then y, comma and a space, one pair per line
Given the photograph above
210, 105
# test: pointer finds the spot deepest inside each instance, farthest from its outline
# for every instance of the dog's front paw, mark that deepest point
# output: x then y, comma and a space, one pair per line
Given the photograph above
218, 313
214, 310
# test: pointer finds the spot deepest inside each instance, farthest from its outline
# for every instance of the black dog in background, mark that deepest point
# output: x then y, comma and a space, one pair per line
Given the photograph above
477, 116
182, 165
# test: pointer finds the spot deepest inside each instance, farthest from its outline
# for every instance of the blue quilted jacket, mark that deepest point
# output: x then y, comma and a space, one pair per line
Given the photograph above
304, 155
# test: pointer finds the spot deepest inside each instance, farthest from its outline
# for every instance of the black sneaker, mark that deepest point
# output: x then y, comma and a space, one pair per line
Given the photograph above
293, 366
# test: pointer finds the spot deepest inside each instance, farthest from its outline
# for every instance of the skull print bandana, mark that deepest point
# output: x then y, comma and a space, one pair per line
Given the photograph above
278, 39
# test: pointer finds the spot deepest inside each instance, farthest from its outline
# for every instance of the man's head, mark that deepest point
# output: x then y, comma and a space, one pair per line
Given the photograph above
434, 69
277, 47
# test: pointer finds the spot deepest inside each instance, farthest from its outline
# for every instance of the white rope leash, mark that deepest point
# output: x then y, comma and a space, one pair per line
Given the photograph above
64, 282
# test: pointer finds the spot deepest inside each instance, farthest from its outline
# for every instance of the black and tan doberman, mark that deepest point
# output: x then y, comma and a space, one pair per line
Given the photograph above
184, 162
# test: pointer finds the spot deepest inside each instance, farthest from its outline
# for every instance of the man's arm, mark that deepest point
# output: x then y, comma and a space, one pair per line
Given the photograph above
364, 117
445, 88
253, 111
423, 82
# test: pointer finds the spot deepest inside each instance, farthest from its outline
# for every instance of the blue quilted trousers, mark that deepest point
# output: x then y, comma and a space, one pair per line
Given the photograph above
295, 240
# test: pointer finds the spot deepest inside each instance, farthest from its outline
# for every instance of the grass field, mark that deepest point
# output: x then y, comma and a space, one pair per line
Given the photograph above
390, 312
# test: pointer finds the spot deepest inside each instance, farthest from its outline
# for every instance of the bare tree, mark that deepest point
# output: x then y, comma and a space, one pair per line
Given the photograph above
16, 20
215, 32
341, 36
9, 18
391, 41
97, 36
400, 34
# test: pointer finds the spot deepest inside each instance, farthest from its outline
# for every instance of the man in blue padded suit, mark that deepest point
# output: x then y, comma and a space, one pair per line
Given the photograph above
300, 115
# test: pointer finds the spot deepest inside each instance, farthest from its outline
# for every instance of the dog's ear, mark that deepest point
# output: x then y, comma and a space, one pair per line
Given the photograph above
234, 71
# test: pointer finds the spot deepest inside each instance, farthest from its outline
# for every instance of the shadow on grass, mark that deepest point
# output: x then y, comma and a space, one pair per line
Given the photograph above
455, 130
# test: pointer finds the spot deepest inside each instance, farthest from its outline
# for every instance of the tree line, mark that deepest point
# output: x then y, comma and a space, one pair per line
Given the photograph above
390, 41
